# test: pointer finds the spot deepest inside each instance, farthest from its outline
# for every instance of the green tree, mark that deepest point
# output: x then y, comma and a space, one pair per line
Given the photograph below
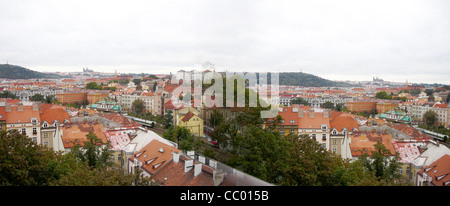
381, 163
93, 85
8, 95
25, 163
138, 106
430, 118
383, 95
328, 105
50, 99
37, 98
22, 161
300, 101
168, 119
216, 118
185, 139
92, 152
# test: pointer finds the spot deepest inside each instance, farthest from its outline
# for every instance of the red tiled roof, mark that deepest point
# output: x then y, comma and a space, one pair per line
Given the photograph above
340, 120
367, 140
154, 156
316, 121
50, 115
439, 171
170, 87
122, 120
411, 131
187, 117
16, 116
441, 106
76, 133
173, 175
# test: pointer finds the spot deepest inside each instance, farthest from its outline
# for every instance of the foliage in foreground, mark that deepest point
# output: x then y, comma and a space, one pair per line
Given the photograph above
25, 163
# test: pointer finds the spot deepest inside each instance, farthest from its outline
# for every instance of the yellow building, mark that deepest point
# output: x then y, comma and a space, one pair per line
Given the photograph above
189, 118
97, 95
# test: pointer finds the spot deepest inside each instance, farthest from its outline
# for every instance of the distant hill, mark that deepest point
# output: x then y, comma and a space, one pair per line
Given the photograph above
8, 71
306, 80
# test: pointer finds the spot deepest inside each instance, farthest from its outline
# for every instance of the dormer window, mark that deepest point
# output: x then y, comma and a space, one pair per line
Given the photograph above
334, 132
45, 125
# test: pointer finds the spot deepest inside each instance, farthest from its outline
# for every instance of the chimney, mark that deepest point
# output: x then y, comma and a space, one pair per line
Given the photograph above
8, 107
326, 114
311, 114
197, 169
188, 164
35, 107
191, 154
20, 107
300, 113
176, 157
295, 108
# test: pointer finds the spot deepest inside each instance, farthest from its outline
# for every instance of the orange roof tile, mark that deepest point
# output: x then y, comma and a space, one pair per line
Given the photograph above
173, 175
341, 120
439, 171
187, 117
154, 156
76, 133
367, 140
15, 116
122, 120
411, 131
316, 121
50, 115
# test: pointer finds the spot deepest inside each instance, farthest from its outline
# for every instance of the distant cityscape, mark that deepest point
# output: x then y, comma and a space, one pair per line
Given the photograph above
134, 117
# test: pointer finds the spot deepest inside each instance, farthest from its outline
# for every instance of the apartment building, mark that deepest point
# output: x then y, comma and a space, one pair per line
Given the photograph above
442, 111
25, 118
52, 123
147, 97
71, 97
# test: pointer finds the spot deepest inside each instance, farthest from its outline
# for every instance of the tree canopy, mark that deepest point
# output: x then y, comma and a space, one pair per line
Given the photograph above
25, 163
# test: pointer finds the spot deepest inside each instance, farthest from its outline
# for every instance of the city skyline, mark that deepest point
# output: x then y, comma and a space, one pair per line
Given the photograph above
347, 40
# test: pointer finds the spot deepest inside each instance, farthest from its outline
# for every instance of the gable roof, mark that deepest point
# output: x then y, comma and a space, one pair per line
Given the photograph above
50, 115
341, 120
154, 156
173, 175
16, 116
316, 121
439, 171
122, 120
411, 131
188, 116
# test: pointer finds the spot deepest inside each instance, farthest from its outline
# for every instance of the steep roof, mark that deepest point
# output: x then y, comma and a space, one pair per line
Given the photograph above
154, 156
50, 115
341, 120
122, 120
173, 175
439, 171
16, 116
313, 120
188, 116
411, 131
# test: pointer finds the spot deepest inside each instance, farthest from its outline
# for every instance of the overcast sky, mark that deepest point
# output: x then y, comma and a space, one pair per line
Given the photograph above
339, 40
